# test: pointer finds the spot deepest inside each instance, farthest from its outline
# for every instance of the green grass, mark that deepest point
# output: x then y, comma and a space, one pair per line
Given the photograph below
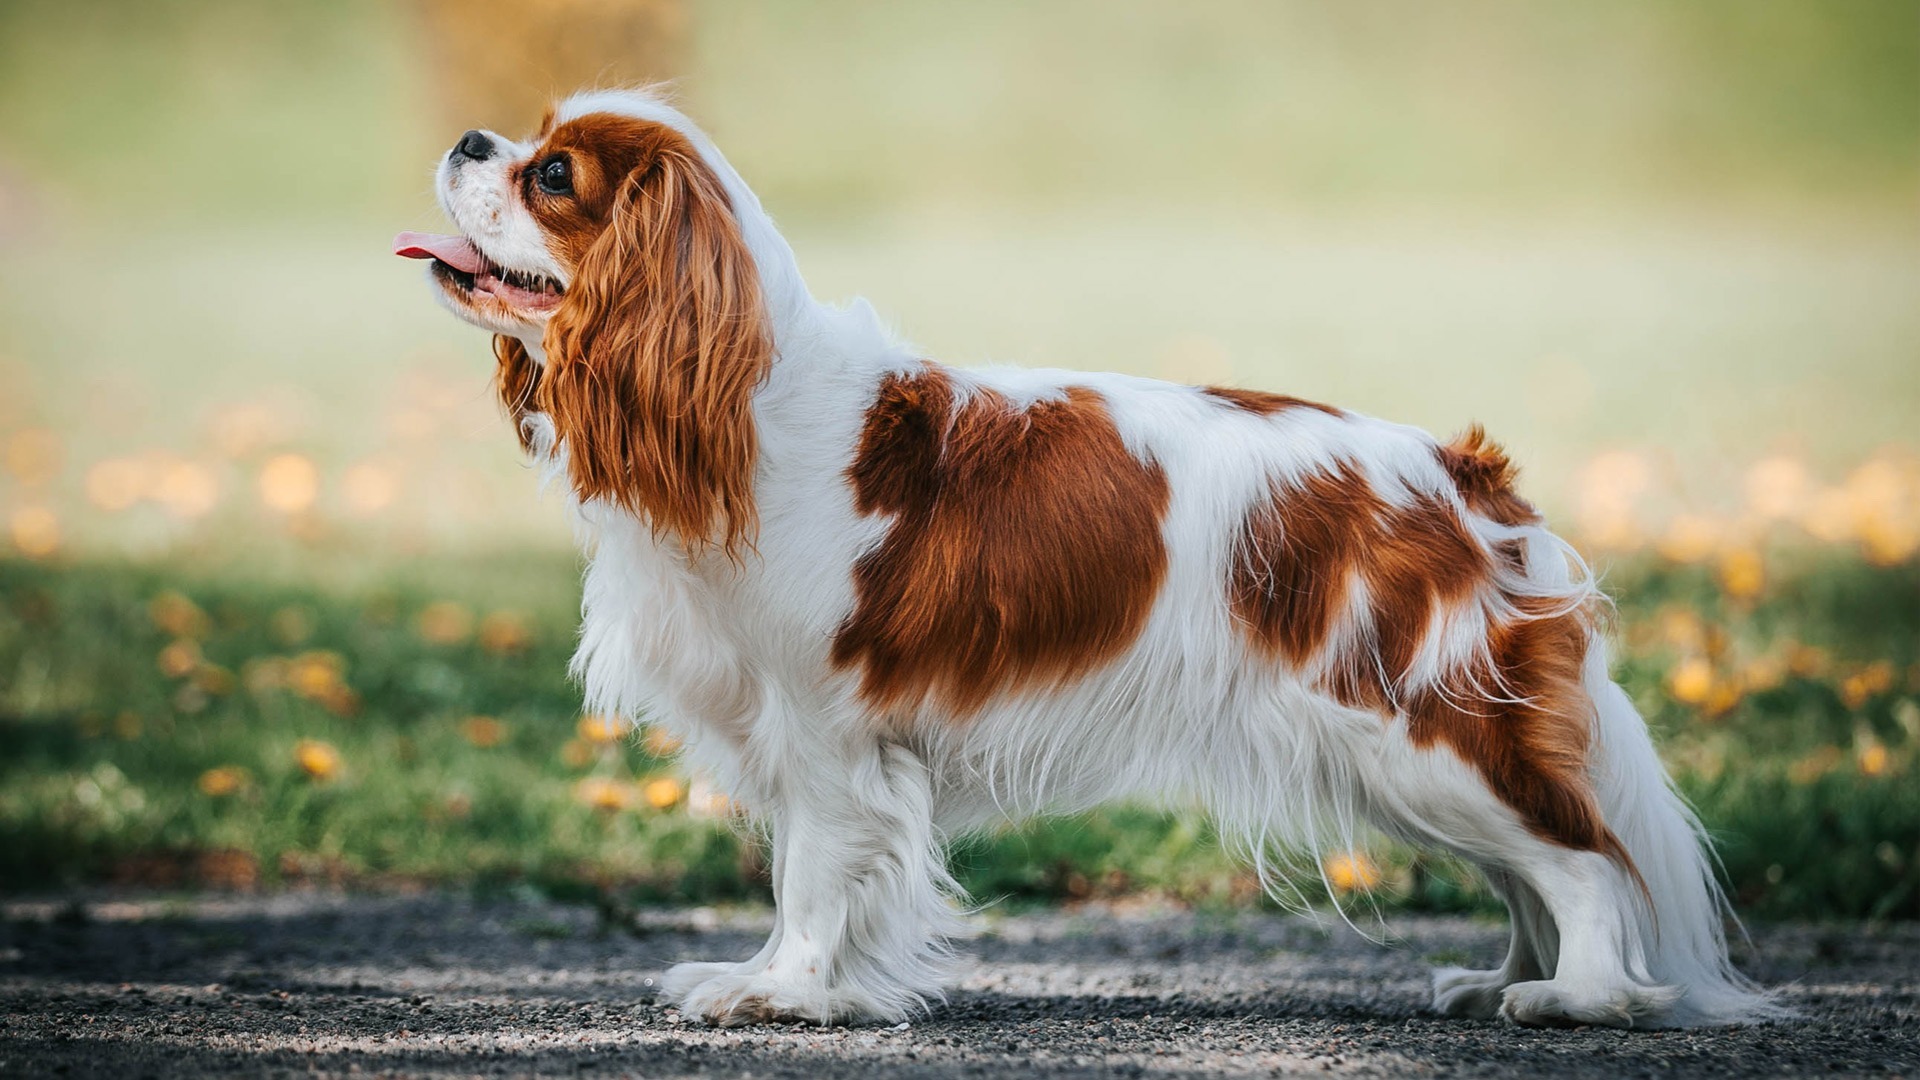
102, 753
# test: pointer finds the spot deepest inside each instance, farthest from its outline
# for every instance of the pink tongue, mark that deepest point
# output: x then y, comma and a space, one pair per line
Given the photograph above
456, 251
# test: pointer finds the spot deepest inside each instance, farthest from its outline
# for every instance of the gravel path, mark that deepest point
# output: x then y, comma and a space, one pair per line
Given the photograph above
446, 986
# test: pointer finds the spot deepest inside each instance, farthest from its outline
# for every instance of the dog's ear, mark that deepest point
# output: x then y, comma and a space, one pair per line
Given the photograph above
517, 379
653, 357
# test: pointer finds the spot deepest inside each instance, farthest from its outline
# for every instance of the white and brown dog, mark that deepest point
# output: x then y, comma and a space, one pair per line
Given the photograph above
888, 601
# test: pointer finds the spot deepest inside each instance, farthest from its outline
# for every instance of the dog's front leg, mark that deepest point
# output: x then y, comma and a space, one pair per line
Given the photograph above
863, 898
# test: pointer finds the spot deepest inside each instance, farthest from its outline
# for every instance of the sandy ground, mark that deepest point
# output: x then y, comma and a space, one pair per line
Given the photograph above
125, 986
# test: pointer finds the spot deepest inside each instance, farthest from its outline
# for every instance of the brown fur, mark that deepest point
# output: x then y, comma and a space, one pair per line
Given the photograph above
1485, 477
1521, 717
1025, 546
662, 338
1531, 745
517, 379
1263, 403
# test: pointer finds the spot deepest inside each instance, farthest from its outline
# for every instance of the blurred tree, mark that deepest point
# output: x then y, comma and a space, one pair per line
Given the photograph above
498, 63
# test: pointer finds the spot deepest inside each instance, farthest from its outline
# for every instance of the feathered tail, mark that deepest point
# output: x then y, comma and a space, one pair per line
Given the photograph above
1684, 940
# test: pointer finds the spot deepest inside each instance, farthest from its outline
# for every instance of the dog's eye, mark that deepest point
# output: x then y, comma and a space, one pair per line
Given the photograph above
556, 176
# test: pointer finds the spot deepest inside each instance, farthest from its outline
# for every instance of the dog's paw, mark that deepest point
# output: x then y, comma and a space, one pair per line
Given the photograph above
1467, 994
1563, 1003
735, 1000
682, 979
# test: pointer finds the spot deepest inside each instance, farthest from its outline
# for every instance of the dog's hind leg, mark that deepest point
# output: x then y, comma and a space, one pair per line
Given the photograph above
1577, 954
1600, 976
1531, 953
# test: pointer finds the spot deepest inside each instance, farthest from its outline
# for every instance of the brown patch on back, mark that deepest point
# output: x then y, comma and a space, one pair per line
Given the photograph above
1485, 477
1025, 548
1292, 569
1263, 403
1520, 716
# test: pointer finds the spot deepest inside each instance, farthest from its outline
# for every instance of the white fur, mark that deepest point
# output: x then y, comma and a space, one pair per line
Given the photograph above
479, 197
735, 660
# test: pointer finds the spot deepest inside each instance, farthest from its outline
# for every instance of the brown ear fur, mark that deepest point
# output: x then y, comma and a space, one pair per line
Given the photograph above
653, 358
517, 379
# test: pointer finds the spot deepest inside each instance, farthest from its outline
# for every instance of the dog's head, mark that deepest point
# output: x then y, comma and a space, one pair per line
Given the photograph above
611, 239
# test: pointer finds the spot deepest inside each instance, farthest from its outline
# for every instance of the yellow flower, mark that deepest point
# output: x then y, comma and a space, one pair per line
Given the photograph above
505, 632
1853, 691
1890, 542
340, 700
317, 759
1726, 694
1874, 759
214, 679
1723, 700
1351, 871
1863, 685
578, 753
444, 623
36, 531
1808, 661
597, 728
180, 658
316, 674
483, 731
289, 483
660, 744
222, 781
604, 793
178, 616
1691, 681
1742, 573
663, 793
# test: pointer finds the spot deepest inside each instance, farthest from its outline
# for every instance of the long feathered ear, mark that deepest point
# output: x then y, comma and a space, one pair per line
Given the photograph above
517, 378
654, 355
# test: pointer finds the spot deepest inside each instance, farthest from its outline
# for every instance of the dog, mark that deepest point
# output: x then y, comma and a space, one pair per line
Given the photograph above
886, 602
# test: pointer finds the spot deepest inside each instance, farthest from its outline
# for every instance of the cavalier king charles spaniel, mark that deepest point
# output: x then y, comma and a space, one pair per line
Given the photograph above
887, 602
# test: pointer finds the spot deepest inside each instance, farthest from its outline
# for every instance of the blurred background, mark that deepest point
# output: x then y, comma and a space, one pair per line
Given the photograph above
281, 602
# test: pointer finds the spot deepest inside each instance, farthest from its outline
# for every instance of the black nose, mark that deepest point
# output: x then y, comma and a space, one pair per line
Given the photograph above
474, 144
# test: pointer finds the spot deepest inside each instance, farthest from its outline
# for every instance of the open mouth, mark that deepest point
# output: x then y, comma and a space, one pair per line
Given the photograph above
466, 271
